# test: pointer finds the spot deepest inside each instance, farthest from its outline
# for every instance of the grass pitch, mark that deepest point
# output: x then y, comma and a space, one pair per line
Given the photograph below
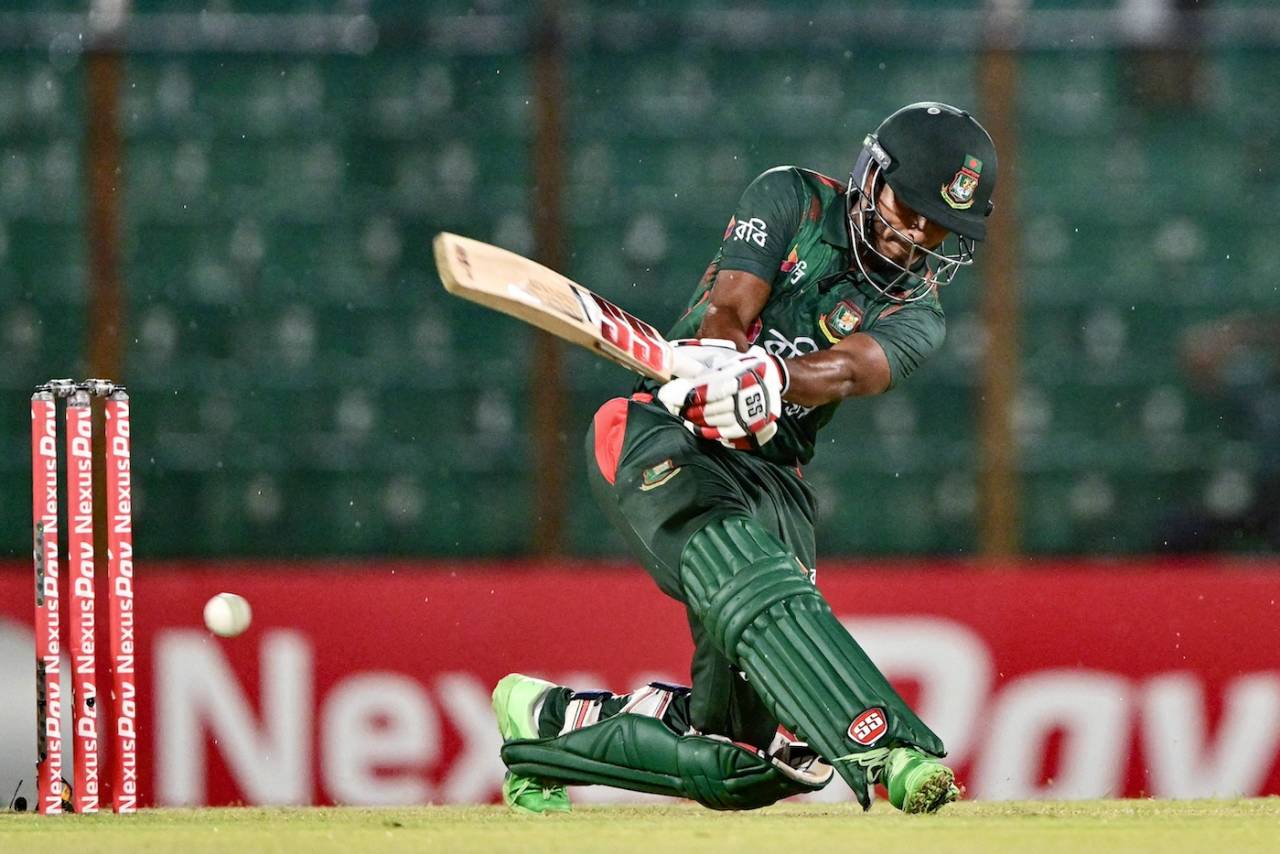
1094, 826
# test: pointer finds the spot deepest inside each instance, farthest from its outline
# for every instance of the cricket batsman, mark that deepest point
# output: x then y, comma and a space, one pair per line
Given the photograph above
821, 290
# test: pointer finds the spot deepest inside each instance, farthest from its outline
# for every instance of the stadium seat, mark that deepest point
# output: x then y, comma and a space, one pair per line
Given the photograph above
305, 386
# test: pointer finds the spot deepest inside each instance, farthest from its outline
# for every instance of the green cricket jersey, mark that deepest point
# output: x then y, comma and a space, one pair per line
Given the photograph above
790, 230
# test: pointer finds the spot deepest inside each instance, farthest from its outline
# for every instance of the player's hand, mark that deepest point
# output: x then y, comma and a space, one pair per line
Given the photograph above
694, 356
738, 402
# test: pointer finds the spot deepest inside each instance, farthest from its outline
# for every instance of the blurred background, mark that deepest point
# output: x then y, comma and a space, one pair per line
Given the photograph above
228, 205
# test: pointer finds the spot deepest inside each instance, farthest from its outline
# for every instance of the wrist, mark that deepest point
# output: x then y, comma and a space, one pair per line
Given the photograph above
784, 373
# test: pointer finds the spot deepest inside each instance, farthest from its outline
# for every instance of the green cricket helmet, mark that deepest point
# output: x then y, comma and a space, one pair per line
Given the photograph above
941, 163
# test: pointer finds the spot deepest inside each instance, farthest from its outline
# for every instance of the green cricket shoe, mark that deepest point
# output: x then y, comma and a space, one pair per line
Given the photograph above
917, 782
514, 698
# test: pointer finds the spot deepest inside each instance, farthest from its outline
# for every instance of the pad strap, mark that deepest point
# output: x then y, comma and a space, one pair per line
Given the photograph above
586, 708
652, 700
583, 709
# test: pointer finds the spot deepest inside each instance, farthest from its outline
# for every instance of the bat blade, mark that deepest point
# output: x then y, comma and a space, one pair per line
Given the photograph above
524, 289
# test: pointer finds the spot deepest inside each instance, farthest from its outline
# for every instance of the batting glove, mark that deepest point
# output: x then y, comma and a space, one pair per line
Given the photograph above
694, 356
738, 402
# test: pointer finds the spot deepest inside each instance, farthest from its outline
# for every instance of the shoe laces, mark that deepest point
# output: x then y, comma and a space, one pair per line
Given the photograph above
527, 784
872, 760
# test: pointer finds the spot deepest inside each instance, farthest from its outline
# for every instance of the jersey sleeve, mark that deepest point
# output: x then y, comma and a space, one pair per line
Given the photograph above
909, 337
765, 222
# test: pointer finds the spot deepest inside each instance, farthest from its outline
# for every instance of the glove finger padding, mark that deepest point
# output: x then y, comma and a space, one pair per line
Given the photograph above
674, 395
694, 356
746, 413
752, 441
713, 412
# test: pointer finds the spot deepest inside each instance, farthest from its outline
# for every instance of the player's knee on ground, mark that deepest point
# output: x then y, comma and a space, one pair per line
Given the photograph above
642, 754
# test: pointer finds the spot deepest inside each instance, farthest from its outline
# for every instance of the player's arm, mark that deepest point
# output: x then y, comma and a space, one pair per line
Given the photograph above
868, 362
737, 298
856, 366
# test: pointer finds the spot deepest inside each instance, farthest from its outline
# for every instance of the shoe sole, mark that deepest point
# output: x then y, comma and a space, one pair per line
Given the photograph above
934, 793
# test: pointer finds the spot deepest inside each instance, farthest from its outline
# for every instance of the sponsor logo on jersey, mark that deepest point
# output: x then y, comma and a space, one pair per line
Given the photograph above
794, 266
733, 222
754, 230
868, 727
795, 410
778, 345
656, 476
959, 193
841, 322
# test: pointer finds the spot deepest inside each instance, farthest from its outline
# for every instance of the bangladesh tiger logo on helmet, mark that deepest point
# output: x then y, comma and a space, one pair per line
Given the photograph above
959, 193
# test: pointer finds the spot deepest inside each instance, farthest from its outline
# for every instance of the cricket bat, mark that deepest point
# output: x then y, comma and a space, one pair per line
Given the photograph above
524, 289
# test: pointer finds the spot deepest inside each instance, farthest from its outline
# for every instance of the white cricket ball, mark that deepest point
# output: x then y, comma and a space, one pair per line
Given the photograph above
227, 615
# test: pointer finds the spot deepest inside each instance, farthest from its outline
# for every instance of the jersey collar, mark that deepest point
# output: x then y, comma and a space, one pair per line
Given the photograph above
835, 226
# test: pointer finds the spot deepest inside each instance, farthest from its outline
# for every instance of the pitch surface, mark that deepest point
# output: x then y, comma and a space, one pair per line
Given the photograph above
1095, 826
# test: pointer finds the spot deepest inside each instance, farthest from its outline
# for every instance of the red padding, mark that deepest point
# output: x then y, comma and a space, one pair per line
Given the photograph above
611, 426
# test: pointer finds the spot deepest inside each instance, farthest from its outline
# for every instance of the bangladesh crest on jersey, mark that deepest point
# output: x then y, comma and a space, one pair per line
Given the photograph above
658, 475
959, 193
840, 322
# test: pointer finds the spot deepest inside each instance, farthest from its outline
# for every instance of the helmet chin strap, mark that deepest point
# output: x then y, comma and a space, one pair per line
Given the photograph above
895, 279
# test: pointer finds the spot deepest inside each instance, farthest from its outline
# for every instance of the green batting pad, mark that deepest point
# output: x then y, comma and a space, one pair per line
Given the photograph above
642, 754
760, 608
